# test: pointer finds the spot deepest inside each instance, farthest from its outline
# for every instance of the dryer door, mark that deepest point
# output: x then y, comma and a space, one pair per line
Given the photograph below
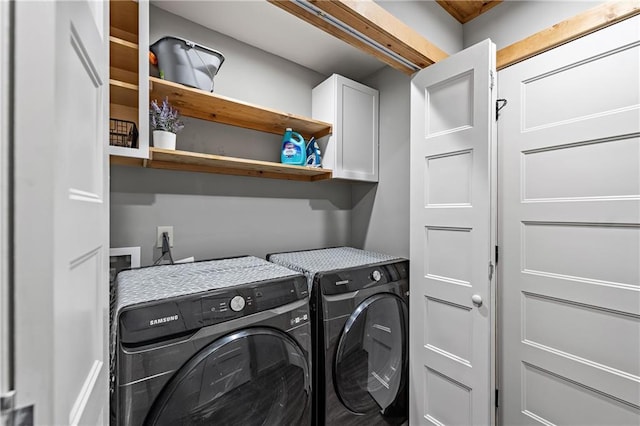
256, 376
371, 363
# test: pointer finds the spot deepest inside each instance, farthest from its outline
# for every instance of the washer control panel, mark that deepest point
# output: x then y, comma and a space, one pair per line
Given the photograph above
376, 275
226, 304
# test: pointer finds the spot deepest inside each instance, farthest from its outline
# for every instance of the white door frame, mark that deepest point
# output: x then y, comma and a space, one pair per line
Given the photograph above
6, 347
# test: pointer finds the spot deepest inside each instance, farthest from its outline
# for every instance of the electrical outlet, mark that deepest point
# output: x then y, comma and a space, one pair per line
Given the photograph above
161, 230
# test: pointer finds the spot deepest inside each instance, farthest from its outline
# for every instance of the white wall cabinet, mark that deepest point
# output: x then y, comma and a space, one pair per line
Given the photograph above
352, 150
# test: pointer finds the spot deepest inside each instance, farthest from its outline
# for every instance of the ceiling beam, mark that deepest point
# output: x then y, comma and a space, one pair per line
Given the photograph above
466, 10
374, 22
320, 23
584, 23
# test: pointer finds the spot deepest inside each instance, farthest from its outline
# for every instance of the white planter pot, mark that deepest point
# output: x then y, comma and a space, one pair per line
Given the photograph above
163, 139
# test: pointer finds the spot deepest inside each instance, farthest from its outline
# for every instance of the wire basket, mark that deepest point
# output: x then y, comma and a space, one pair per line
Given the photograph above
123, 133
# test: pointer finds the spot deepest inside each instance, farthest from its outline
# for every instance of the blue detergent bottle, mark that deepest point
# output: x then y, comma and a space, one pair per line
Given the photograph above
293, 148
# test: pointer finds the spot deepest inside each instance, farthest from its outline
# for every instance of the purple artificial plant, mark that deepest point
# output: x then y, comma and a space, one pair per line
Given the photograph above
165, 117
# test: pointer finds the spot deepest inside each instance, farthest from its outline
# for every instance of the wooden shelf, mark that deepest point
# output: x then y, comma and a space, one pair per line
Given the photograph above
123, 54
213, 107
123, 93
123, 16
123, 75
124, 35
207, 163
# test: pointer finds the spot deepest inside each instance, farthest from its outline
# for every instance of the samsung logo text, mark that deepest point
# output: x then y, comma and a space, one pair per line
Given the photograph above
163, 320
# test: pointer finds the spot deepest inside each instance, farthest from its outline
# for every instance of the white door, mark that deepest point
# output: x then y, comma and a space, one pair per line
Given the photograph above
452, 232
570, 245
61, 219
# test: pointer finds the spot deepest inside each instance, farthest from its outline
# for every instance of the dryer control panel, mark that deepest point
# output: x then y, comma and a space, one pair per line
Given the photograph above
354, 279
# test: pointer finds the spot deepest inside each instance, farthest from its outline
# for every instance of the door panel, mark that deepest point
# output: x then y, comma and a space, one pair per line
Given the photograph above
570, 173
570, 292
81, 295
452, 235
62, 204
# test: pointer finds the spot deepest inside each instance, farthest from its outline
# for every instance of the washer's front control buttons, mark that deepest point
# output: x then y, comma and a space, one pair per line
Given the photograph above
237, 304
376, 275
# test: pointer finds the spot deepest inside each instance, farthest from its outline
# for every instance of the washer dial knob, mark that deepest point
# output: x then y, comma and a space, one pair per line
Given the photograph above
376, 275
237, 303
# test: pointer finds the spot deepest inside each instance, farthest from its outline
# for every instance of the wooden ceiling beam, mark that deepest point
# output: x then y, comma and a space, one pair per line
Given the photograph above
376, 23
320, 23
466, 10
371, 20
584, 23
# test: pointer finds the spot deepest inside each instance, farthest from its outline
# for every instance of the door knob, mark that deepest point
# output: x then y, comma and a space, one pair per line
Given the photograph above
477, 300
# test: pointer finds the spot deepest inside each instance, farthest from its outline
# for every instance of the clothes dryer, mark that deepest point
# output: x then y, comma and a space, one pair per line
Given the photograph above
216, 342
359, 308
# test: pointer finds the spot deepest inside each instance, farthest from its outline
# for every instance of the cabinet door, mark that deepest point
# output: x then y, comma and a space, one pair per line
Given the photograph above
352, 150
357, 156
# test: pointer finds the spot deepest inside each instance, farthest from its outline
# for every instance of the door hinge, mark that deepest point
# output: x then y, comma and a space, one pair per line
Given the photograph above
493, 79
497, 254
7, 408
490, 271
12, 416
497, 394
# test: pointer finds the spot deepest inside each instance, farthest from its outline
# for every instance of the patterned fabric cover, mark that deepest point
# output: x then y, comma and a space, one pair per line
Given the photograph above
165, 281
311, 262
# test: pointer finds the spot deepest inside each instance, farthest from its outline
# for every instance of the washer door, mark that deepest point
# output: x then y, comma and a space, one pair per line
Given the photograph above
370, 368
255, 376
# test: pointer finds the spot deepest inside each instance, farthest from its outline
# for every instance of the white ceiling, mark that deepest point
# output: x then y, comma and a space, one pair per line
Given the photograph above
267, 27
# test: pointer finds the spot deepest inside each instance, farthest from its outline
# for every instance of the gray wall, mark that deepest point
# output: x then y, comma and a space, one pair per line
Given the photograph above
512, 21
249, 74
218, 216
215, 215
430, 20
380, 217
